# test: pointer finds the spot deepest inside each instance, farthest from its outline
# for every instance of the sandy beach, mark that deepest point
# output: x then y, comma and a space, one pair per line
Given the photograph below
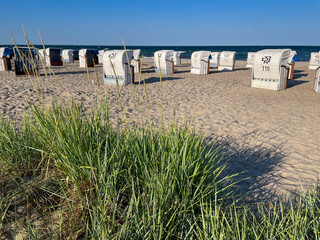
272, 138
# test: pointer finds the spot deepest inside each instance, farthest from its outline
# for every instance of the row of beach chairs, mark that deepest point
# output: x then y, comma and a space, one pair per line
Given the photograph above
271, 68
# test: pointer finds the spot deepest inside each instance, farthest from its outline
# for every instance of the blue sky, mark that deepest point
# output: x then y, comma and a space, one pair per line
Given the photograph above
164, 22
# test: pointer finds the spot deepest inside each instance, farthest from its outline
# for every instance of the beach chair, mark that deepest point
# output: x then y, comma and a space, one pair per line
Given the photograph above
5, 63
100, 56
41, 55
317, 81
314, 60
227, 60
200, 62
177, 57
250, 59
67, 55
136, 62
87, 57
291, 62
117, 68
163, 61
53, 57
26, 61
76, 55
270, 69
214, 61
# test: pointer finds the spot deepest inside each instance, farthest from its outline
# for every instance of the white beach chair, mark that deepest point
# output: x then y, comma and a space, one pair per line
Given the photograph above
214, 61
87, 56
317, 81
250, 59
270, 69
291, 63
136, 62
177, 57
5, 63
117, 68
314, 60
41, 55
227, 60
163, 61
67, 55
52, 56
100, 56
200, 62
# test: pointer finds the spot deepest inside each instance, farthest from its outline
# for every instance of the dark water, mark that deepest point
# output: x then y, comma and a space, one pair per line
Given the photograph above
242, 51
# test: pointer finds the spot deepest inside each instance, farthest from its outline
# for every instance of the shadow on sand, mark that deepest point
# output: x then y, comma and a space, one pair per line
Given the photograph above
256, 169
300, 75
157, 79
293, 83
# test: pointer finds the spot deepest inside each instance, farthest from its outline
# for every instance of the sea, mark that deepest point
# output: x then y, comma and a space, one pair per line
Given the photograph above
303, 52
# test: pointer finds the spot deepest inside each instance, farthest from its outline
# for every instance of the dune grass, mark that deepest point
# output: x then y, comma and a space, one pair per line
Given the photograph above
75, 175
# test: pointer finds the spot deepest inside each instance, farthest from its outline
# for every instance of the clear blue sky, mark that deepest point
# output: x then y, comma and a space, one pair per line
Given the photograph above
163, 22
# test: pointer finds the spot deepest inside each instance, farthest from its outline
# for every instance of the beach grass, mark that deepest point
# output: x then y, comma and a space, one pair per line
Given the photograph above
69, 174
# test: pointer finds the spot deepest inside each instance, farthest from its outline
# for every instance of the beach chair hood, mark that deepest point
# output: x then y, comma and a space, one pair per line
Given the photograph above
267, 63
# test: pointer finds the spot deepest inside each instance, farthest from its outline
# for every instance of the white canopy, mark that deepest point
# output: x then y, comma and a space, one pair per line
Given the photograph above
227, 59
215, 57
314, 60
200, 62
116, 65
250, 59
163, 61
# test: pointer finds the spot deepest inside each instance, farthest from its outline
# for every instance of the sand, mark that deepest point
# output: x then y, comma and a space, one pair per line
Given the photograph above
272, 138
